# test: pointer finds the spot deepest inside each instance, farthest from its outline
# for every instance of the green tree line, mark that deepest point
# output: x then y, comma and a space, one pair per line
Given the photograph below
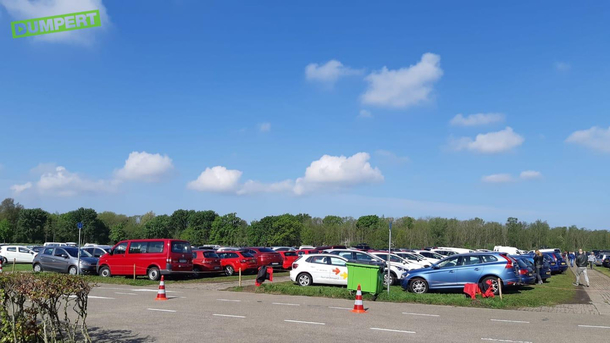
18, 224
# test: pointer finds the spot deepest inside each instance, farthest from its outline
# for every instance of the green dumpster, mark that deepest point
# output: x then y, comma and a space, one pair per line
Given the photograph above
368, 276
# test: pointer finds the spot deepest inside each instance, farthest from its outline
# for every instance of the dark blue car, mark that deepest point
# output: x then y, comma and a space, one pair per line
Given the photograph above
545, 271
457, 270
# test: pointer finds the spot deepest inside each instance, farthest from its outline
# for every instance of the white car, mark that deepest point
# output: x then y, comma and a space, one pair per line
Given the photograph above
16, 253
406, 264
414, 258
325, 269
283, 248
431, 256
396, 271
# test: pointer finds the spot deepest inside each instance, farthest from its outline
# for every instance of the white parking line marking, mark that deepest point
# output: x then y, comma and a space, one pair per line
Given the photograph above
302, 322
230, 300
503, 340
510, 321
160, 310
340, 308
150, 290
96, 297
125, 293
422, 314
286, 304
392, 330
228, 315
594, 326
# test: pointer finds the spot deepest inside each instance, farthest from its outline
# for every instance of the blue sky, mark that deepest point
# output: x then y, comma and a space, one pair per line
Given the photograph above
263, 108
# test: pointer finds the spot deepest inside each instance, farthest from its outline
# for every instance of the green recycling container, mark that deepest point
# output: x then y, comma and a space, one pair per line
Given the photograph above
368, 276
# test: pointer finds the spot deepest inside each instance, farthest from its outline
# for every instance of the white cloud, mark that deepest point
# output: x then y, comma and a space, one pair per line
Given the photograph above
365, 114
264, 127
405, 87
61, 182
392, 157
23, 9
142, 166
477, 119
562, 66
530, 174
43, 168
20, 188
332, 172
497, 178
595, 138
217, 179
327, 173
329, 72
489, 143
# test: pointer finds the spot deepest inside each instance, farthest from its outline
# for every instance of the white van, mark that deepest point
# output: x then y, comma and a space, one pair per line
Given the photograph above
509, 250
55, 244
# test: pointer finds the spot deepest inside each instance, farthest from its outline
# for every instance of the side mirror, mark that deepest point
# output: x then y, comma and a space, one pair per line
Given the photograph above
434, 266
110, 251
64, 255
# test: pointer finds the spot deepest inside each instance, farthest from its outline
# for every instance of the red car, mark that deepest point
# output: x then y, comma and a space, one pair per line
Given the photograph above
266, 256
232, 261
150, 257
287, 258
206, 262
306, 251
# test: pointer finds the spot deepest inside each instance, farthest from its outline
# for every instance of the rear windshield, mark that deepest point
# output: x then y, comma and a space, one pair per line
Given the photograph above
210, 254
290, 253
266, 250
181, 247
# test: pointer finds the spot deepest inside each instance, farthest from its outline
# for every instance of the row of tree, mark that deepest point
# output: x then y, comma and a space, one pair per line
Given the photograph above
18, 224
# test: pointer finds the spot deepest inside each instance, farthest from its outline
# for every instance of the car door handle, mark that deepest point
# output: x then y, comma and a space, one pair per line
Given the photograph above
451, 271
477, 269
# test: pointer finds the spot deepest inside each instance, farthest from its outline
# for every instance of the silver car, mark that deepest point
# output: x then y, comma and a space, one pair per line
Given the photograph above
64, 260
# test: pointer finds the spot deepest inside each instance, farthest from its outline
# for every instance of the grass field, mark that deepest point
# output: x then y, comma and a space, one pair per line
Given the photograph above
557, 290
603, 270
142, 280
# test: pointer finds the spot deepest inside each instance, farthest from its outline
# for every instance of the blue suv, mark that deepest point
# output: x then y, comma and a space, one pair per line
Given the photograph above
457, 270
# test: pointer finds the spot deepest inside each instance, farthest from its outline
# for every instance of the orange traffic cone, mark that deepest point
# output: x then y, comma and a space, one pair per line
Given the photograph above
161, 292
358, 307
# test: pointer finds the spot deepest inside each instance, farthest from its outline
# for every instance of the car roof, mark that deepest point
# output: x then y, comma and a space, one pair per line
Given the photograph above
327, 255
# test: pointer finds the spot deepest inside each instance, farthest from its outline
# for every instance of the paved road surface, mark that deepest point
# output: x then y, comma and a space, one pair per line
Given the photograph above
130, 314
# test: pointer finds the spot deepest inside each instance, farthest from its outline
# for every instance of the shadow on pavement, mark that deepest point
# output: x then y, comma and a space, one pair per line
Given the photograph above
98, 334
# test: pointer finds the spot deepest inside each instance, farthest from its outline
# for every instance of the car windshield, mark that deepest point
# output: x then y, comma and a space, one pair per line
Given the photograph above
210, 254
181, 247
266, 250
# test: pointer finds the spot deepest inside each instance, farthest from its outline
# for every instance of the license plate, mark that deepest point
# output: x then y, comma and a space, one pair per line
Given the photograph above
563, 263
181, 261
216, 267
275, 263
548, 273
552, 264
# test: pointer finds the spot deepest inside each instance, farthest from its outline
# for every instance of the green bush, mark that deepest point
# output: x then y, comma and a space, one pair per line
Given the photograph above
43, 308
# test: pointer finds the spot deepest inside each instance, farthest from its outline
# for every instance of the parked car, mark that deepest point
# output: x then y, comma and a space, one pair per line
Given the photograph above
545, 271
97, 251
599, 259
414, 258
431, 256
232, 261
16, 253
396, 271
406, 264
206, 261
150, 257
266, 256
362, 246
287, 258
606, 261
553, 265
64, 259
527, 272
306, 251
326, 269
455, 271
278, 249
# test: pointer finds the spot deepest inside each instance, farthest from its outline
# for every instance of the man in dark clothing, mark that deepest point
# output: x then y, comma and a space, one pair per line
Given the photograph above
581, 267
538, 263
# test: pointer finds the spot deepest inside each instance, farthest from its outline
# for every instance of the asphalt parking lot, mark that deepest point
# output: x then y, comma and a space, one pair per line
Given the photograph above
130, 314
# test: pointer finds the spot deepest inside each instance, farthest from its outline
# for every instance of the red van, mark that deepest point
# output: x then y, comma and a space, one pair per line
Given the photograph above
150, 257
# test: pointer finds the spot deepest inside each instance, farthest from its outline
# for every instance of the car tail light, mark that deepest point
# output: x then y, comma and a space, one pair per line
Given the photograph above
523, 271
295, 265
509, 265
243, 261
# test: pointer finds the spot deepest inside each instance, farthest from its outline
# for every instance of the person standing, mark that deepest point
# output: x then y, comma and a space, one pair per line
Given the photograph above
591, 259
581, 268
538, 262
571, 258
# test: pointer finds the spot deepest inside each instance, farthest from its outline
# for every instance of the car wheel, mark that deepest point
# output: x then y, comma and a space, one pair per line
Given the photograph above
418, 286
196, 271
153, 274
494, 284
37, 268
392, 279
4, 260
304, 279
229, 270
72, 270
105, 272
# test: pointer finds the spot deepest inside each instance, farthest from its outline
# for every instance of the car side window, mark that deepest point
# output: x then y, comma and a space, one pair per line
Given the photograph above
337, 262
489, 258
11, 249
48, 251
120, 249
155, 247
24, 250
233, 255
318, 259
138, 247
346, 254
363, 257
470, 260
449, 262
98, 252
60, 252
